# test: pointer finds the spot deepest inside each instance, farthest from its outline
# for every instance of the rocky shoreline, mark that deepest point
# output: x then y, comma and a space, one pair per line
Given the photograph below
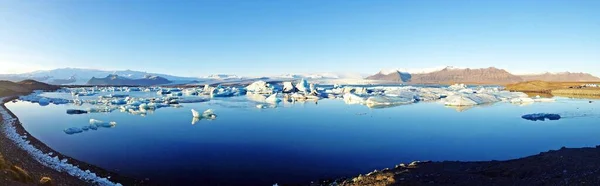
64, 171
566, 166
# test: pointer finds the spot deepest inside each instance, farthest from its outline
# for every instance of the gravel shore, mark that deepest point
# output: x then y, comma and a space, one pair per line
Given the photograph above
14, 155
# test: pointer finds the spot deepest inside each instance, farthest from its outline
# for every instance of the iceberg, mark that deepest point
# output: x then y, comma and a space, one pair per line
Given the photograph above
522, 100
43, 101
459, 100
260, 87
351, 98
288, 87
73, 130
303, 86
383, 101
273, 99
208, 114
541, 117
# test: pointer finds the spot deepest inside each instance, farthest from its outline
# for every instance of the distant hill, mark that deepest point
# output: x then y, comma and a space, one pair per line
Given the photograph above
118, 80
450, 75
9, 88
561, 77
394, 76
489, 75
79, 76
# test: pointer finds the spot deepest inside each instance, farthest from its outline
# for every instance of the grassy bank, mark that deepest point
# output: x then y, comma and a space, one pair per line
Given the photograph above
567, 89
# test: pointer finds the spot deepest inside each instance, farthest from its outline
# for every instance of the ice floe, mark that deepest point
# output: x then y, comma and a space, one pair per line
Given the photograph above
260, 87
541, 116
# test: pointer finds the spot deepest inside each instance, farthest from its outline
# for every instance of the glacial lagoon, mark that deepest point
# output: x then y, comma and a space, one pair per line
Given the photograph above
302, 141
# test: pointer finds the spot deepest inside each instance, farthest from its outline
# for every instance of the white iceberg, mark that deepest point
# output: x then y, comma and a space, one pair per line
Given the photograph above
351, 98
260, 87
303, 86
288, 87
208, 114
383, 101
273, 99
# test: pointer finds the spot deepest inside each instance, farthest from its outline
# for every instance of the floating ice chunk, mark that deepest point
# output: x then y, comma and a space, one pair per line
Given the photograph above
76, 111
541, 99
261, 106
193, 99
44, 101
288, 87
96, 122
73, 130
522, 100
458, 100
260, 87
457, 87
273, 99
196, 114
303, 86
351, 98
382, 101
85, 128
541, 117
208, 114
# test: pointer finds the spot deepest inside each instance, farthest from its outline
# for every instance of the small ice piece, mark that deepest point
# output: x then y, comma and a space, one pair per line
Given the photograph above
303, 86
351, 98
261, 106
96, 122
73, 130
288, 87
44, 101
273, 99
208, 114
76, 111
382, 101
522, 100
109, 125
93, 126
541, 117
196, 114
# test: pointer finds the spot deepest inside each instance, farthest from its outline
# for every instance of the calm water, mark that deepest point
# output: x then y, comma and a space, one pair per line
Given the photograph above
297, 143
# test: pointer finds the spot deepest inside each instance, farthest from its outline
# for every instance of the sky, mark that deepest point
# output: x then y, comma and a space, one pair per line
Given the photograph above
267, 37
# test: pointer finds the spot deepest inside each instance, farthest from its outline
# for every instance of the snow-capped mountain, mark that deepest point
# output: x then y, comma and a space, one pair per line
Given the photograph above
80, 76
223, 76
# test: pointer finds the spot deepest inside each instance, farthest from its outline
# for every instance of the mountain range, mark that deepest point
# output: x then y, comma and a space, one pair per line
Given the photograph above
437, 75
489, 75
148, 80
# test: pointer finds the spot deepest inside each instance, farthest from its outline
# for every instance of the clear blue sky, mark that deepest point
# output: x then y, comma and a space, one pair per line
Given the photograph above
255, 37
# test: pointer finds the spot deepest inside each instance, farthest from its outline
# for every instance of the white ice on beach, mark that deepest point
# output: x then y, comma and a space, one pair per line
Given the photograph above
47, 159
